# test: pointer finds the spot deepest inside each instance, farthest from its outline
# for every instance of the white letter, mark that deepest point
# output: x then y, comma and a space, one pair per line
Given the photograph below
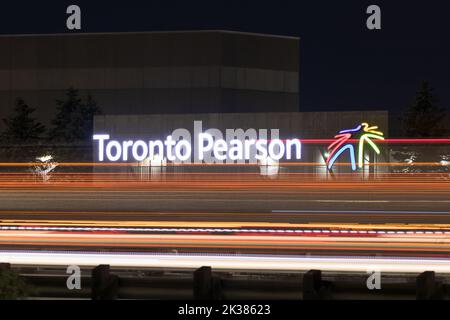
261, 146
182, 134
144, 154
220, 146
298, 148
101, 138
274, 143
125, 146
187, 147
236, 150
247, 145
74, 280
74, 20
151, 149
208, 156
169, 144
109, 146
373, 21
240, 134
201, 148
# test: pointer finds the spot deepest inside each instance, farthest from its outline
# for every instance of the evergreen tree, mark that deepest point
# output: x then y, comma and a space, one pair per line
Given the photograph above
65, 126
89, 109
424, 118
21, 127
74, 118
12, 286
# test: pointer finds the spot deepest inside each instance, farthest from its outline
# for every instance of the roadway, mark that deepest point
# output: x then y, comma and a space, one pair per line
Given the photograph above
395, 216
295, 200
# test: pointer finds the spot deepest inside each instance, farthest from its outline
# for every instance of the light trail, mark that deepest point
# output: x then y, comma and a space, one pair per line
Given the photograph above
388, 215
234, 182
361, 211
407, 240
226, 262
282, 163
218, 230
221, 226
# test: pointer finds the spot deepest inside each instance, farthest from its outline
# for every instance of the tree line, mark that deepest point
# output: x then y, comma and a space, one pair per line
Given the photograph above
72, 122
74, 116
424, 118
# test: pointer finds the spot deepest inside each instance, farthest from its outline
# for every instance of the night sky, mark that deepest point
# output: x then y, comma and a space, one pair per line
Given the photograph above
344, 66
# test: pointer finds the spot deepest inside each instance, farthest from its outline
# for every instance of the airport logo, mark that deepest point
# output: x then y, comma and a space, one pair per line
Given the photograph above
364, 133
203, 146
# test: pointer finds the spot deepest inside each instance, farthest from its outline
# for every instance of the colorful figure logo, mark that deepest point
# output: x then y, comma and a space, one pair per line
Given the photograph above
343, 143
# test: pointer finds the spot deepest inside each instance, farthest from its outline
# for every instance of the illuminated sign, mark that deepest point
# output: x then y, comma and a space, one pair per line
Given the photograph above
209, 146
342, 144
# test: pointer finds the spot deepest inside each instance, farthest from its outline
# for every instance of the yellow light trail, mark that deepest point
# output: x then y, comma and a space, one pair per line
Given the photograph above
221, 224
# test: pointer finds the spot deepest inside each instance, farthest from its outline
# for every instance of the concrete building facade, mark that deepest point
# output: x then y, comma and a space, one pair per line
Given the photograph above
152, 72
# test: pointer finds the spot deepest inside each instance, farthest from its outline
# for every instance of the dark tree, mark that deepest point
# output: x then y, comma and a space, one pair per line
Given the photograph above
12, 286
424, 118
74, 118
89, 109
21, 127
64, 126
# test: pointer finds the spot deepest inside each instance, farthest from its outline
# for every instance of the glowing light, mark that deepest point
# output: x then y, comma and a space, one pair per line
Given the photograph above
366, 138
352, 156
45, 158
249, 262
351, 130
206, 147
345, 138
342, 138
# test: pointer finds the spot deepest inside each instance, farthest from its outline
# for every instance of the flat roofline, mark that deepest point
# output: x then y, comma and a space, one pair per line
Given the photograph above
149, 32
238, 113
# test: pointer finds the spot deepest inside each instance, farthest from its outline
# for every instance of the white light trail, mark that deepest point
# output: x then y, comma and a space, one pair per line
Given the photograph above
361, 211
244, 262
217, 230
